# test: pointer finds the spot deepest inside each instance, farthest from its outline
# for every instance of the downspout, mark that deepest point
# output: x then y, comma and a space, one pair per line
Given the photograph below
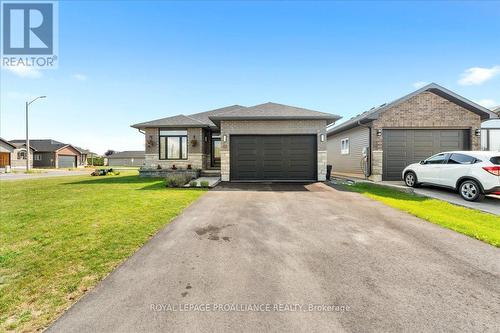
369, 155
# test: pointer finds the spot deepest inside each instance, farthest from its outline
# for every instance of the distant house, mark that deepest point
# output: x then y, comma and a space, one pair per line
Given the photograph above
52, 154
6, 152
490, 133
85, 155
19, 156
127, 158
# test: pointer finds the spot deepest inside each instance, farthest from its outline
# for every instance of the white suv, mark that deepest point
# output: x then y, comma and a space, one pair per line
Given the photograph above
472, 173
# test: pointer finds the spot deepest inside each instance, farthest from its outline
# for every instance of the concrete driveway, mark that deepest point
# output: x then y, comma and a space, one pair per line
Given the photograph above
295, 245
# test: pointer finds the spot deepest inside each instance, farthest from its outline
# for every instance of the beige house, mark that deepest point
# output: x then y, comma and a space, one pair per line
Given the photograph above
380, 143
266, 142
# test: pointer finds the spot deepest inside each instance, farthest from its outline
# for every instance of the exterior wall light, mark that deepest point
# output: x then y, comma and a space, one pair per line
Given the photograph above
477, 132
224, 138
379, 132
322, 137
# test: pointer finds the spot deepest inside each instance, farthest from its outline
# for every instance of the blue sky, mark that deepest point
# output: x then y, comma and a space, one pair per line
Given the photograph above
123, 62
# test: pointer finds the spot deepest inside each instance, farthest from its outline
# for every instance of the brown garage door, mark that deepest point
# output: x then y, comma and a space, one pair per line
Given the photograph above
273, 158
406, 146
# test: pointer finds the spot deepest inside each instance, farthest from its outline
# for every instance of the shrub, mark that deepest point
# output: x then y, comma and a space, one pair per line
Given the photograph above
95, 161
177, 180
204, 183
193, 183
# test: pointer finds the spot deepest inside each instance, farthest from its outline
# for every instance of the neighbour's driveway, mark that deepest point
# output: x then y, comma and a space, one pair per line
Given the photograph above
490, 204
48, 173
294, 244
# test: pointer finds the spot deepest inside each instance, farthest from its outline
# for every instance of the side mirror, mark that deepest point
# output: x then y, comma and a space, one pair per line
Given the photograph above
422, 162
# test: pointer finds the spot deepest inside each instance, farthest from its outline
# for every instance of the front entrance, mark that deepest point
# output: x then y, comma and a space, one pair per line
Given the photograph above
216, 152
4, 159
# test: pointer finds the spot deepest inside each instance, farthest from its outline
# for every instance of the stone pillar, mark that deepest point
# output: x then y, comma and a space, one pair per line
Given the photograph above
377, 157
322, 161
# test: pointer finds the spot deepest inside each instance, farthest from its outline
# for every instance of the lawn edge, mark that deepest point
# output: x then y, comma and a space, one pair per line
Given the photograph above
118, 265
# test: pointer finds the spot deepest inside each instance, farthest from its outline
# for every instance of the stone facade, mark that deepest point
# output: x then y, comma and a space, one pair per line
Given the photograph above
426, 111
198, 155
377, 158
229, 127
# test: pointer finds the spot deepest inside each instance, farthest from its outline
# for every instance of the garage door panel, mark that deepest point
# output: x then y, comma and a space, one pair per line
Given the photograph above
403, 147
274, 157
66, 161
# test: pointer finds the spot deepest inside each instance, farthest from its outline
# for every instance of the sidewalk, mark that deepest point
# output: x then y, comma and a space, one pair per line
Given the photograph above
44, 174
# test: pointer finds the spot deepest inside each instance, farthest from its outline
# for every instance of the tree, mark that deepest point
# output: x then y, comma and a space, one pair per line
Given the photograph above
109, 152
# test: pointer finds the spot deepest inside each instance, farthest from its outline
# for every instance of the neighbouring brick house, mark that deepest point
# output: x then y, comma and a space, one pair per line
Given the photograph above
428, 121
50, 153
266, 142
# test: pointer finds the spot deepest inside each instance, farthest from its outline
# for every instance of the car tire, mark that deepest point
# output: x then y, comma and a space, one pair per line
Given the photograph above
411, 179
470, 190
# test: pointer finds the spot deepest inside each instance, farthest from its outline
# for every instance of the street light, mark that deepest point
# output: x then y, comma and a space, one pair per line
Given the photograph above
27, 137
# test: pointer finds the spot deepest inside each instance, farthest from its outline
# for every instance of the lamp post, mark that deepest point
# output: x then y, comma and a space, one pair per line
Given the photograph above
27, 137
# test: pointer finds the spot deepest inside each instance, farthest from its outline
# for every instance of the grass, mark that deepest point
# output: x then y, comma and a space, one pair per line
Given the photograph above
60, 236
470, 222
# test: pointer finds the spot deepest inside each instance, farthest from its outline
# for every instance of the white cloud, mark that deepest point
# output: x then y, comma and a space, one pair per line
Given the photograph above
487, 103
80, 77
478, 75
419, 84
24, 71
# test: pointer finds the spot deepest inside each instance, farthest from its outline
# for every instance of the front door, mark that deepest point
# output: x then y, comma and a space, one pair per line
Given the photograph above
216, 152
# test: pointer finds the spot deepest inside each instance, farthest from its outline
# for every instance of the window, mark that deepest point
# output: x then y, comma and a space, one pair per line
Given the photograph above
461, 159
436, 159
173, 144
37, 157
21, 155
344, 146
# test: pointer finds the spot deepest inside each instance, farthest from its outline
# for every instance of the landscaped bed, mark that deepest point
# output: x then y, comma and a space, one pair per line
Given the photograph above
60, 236
482, 226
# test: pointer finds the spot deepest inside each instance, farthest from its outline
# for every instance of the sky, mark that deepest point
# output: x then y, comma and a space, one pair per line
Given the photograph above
124, 62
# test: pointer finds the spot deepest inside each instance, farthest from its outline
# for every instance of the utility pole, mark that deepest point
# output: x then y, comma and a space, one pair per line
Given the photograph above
27, 133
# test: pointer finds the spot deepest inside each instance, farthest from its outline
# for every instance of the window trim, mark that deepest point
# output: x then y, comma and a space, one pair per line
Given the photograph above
37, 157
182, 158
347, 142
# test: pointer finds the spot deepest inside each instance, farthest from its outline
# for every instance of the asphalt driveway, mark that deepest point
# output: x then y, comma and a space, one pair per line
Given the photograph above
295, 245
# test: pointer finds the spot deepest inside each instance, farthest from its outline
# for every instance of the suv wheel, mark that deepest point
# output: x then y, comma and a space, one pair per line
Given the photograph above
411, 179
470, 191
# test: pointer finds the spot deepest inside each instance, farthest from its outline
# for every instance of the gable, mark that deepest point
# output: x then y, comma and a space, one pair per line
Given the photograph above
427, 109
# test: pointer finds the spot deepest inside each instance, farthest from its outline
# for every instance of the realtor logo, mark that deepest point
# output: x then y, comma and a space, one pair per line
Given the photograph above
29, 33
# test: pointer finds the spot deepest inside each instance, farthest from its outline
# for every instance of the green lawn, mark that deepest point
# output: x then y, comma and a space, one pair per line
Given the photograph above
60, 236
470, 222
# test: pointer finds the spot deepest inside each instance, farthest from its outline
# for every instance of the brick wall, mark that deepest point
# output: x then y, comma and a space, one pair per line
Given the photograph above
426, 110
229, 127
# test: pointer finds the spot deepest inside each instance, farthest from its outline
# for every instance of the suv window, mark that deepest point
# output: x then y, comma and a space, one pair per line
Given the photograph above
495, 160
461, 159
436, 159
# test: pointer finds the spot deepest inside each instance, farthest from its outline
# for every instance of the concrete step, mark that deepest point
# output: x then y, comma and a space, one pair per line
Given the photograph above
210, 173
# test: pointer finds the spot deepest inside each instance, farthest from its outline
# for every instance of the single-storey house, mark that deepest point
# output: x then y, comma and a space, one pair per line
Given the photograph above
427, 121
52, 154
266, 142
6, 152
127, 158
18, 158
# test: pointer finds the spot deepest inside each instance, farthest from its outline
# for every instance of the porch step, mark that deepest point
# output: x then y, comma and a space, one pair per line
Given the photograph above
210, 173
